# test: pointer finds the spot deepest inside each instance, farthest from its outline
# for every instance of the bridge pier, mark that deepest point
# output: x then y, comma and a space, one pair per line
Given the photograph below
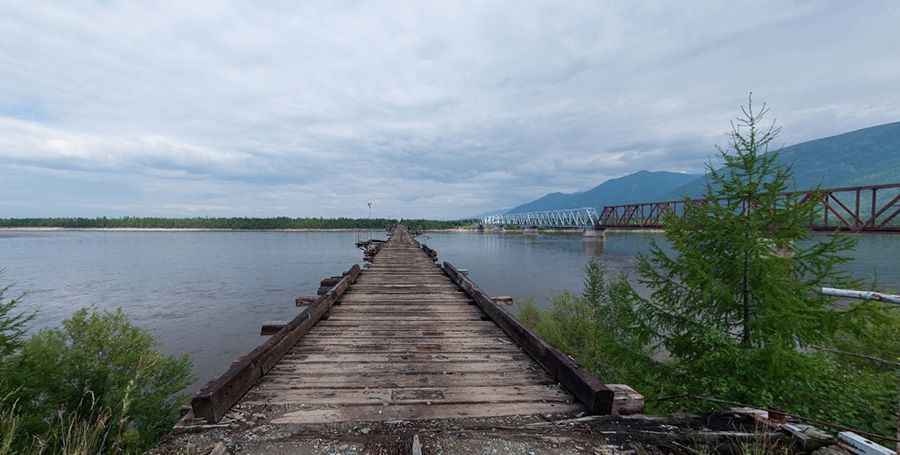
595, 233
530, 230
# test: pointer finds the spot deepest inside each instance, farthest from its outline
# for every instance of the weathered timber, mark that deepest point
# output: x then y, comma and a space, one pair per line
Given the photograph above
220, 394
433, 254
421, 395
366, 381
401, 340
405, 367
271, 327
627, 401
587, 388
330, 281
420, 412
306, 300
356, 357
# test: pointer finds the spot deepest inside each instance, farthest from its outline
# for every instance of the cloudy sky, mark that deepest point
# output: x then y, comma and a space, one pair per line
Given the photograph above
433, 109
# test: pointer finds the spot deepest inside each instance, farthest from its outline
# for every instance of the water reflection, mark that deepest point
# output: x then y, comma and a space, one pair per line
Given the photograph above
539, 267
593, 246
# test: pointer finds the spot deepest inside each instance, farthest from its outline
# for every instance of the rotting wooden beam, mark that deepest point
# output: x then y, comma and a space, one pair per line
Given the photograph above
330, 281
433, 254
627, 400
271, 327
222, 393
587, 388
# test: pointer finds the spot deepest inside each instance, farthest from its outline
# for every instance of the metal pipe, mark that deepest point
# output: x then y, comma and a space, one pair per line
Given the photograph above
864, 295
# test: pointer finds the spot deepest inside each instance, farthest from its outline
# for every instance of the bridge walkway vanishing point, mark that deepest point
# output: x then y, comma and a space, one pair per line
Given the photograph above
406, 339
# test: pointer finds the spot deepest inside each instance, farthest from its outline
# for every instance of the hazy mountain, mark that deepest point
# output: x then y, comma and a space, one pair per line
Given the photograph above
637, 187
863, 157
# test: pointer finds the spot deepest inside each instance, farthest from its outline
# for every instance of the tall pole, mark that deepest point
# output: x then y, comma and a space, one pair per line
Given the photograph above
370, 204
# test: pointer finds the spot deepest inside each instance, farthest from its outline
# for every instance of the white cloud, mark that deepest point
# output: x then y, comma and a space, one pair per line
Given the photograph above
440, 109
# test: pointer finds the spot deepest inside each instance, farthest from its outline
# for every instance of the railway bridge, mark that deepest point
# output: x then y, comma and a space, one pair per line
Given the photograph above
858, 209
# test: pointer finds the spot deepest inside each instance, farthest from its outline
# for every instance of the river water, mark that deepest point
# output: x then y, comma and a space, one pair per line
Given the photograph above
205, 293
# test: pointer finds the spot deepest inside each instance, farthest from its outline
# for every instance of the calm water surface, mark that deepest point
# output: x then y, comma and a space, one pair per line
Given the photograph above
206, 293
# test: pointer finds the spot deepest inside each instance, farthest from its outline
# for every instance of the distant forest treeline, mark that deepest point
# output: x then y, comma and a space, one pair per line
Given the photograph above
227, 223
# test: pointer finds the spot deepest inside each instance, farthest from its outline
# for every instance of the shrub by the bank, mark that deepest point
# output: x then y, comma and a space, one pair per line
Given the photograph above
13, 324
598, 328
97, 383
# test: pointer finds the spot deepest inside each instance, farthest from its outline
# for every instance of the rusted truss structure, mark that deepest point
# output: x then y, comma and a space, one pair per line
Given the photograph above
873, 208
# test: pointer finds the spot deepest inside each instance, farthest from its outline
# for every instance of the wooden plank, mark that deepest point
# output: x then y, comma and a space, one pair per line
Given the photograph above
400, 317
404, 357
439, 282
410, 296
404, 300
271, 327
405, 325
587, 388
403, 368
355, 381
627, 401
399, 275
221, 393
401, 396
380, 348
364, 313
410, 309
389, 324
414, 289
461, 342
418, 412
414, 334
408, 306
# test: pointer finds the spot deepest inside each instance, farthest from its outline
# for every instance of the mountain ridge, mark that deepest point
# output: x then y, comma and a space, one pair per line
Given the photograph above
634, 187
866, 156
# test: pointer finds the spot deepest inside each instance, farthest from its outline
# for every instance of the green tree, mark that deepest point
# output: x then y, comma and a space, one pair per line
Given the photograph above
13, 323
732, 309
737, 303
746, 269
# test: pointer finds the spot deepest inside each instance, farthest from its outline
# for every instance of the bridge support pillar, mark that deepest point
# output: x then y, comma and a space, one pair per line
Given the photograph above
595, 234
529, 230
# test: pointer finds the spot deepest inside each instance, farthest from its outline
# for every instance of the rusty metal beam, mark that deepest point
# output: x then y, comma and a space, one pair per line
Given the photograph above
847, 216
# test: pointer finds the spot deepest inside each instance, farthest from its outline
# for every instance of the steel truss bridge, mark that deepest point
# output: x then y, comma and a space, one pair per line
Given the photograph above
873, 208
585, 218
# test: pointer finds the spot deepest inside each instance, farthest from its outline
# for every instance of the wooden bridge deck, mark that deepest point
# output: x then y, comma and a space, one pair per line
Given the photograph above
404, 339
405, 342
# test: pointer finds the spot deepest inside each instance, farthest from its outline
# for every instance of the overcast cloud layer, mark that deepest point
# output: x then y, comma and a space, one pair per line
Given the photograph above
433, 109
